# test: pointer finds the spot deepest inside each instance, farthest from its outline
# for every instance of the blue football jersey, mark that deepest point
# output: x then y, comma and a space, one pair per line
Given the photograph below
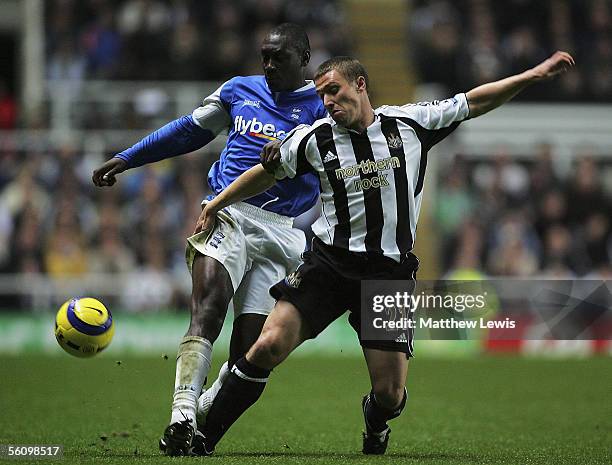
256, 116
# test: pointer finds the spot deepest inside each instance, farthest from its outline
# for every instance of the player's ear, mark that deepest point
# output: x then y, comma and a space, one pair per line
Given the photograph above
361, 84
305, 58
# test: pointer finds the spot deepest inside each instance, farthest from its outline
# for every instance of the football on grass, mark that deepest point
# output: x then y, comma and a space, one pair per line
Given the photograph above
84, 326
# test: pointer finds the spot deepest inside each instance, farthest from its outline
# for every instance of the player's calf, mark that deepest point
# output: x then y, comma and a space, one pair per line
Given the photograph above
243, 386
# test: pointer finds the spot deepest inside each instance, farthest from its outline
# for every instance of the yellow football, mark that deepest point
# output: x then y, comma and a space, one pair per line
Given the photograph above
84, 326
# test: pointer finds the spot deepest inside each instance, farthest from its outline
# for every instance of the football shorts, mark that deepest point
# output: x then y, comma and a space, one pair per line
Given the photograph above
256, 247
328, 283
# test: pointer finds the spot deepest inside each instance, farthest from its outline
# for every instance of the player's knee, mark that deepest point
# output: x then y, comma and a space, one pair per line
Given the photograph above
389, 394
268, 351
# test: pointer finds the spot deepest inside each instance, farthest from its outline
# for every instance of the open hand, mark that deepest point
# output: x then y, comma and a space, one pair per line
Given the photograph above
105, 175
558, 63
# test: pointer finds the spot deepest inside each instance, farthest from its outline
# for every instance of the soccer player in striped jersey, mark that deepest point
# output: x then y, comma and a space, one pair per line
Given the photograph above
371, 165
254, 243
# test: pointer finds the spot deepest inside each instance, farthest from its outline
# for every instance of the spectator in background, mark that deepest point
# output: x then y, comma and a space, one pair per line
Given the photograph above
514, 248
112, 256
102, 45
585, 195
8, 107
597, 241
468, 253
550, 212
454, 205
147, 287
65, 254
66, 65
542, 175
25, 244
186, 52
557, 250
25, 191
434, 31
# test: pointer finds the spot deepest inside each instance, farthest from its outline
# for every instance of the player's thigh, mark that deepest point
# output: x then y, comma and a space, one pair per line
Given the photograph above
387, 370
209, 276
225, 243
283, 246
284, 330
276, 253
253, 294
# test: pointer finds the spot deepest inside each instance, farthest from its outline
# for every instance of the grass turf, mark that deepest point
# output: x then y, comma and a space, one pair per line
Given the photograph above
482, 410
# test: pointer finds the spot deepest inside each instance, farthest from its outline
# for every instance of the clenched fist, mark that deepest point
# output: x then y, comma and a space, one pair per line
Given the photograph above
105, 175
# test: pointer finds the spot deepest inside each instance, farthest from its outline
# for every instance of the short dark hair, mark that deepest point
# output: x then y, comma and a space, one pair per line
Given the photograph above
294, 34
349, 67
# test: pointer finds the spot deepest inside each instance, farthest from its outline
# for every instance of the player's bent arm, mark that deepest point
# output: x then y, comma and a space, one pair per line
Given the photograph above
488, 96
250, 183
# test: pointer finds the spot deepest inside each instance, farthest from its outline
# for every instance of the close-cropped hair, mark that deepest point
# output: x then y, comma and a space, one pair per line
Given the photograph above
294, 34
349, 67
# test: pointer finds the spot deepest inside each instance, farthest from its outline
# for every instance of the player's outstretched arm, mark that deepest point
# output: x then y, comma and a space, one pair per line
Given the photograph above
178, 137
250, 183
488, 96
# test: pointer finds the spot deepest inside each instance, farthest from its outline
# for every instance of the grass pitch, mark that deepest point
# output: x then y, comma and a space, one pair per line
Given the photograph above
476, 411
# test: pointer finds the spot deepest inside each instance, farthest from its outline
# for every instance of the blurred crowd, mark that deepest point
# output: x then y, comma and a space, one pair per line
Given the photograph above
178, 39
523, 218
460, 43
54, 221
496, 216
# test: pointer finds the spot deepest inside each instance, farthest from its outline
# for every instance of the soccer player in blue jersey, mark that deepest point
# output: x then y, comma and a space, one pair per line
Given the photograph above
253, 244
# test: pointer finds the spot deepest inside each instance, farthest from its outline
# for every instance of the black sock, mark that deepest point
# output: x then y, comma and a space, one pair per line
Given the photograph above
377, 415
239, 391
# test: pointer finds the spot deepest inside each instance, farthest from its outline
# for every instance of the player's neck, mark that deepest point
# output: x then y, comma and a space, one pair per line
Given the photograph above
296, 85
366, 119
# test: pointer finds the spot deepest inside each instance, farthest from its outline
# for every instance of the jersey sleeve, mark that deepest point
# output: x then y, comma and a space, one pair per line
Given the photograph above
214, 113
438, 114
293, 159
434, 120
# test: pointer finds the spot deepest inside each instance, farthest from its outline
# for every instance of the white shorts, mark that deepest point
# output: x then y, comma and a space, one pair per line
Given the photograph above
257, 248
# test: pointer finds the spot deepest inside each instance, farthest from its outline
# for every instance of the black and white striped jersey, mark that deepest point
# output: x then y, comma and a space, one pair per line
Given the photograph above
371, 182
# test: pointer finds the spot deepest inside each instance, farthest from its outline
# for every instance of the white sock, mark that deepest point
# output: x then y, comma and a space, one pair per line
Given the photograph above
207, 398
192, 366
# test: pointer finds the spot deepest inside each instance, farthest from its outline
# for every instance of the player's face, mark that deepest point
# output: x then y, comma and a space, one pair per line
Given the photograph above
342, 99
282, 64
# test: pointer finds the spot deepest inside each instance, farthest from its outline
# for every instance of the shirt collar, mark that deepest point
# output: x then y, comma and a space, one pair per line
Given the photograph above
308, 86
376, 120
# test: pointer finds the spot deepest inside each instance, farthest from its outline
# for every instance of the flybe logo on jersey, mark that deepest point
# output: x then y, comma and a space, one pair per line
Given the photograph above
254, 127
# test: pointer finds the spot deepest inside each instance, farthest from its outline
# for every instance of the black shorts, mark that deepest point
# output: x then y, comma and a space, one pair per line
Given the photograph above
328, 283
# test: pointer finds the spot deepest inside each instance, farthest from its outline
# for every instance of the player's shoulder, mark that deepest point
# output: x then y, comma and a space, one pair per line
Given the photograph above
256, 82
318, 125
304, 132
313, 102
408, 110
257, 79
415, 110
